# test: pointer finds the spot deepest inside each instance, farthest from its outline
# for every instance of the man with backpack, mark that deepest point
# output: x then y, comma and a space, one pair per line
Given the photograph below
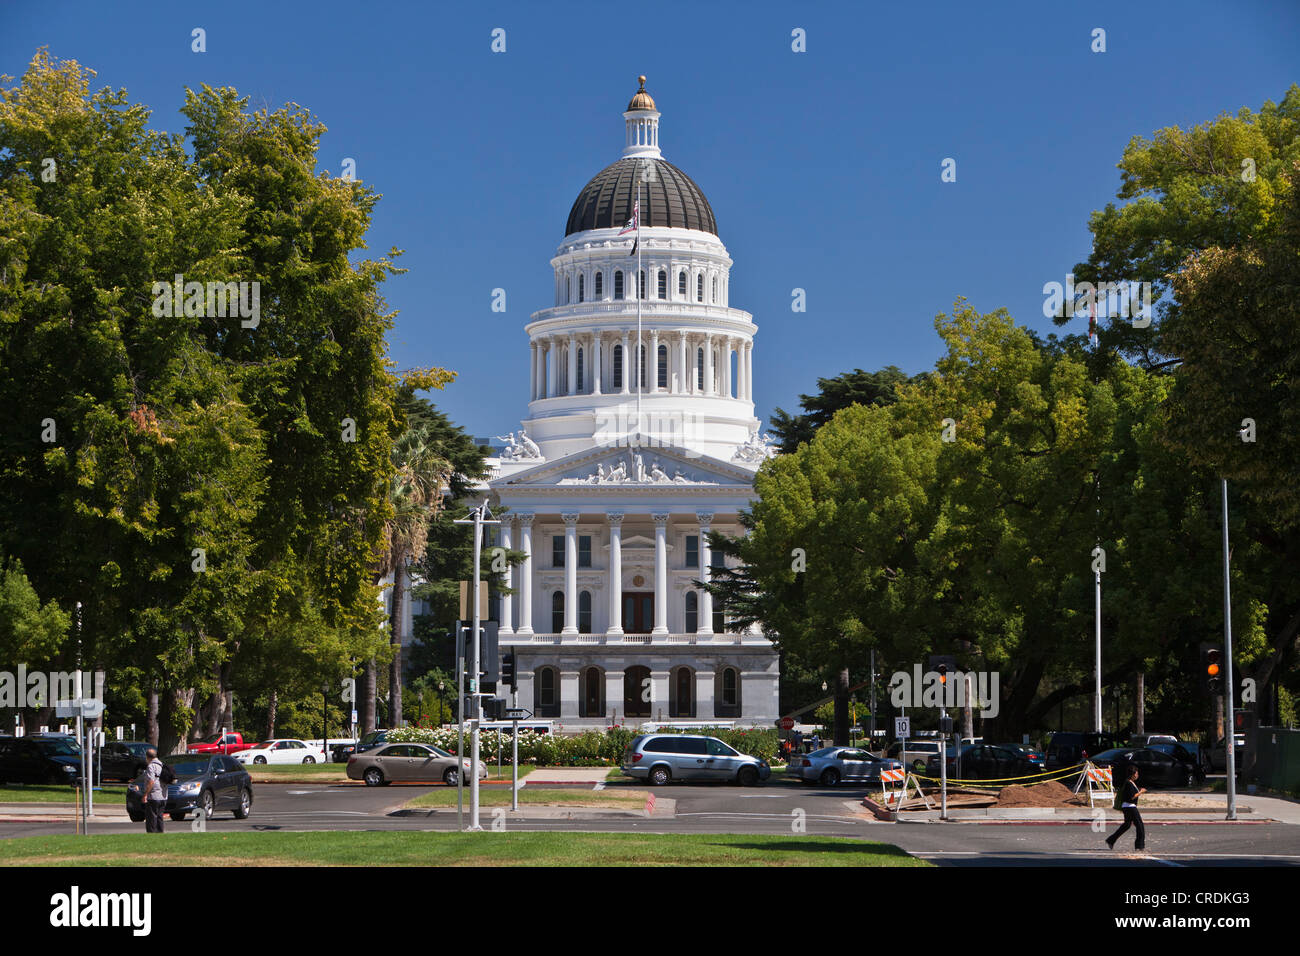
155, 791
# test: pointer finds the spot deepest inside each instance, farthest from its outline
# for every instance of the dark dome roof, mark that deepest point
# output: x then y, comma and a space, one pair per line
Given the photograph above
670, 198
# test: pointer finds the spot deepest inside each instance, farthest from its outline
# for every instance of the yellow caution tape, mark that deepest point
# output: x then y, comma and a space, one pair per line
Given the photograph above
1066, 772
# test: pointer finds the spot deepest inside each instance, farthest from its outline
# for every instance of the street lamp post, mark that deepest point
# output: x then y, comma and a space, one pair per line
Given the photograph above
1229, 729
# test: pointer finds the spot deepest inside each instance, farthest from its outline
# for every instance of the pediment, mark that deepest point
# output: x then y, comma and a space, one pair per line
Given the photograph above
609, 466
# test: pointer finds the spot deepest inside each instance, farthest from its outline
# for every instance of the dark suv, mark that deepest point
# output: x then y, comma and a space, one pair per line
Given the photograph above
50, 760
1068, 748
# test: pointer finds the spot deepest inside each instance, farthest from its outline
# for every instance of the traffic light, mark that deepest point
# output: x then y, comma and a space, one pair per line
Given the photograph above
943, 673
508, 670
1212, 665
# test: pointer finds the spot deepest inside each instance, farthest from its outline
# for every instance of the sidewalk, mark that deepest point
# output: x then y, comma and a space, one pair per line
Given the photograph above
568, 775
60, 812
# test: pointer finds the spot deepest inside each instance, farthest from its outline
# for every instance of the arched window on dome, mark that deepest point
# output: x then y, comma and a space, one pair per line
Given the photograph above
663, 366
600, 285
567, 289
582, 288
663, 284
699, 370
618, 367
699, 287
713, 294
580, 358
681, 283
641, 286
618, 284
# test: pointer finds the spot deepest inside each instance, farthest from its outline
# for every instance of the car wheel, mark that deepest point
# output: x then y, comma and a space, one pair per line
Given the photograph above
207, 804
830, 777
748, 777
373, 777
659, 776
918, 766
245, 804
308, 759
450, 776
179, 817
1191, 778
259, 760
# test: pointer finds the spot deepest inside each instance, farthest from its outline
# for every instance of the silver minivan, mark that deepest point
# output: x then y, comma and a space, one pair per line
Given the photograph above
661, 758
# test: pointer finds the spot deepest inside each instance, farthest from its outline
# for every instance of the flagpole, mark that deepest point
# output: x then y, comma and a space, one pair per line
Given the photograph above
640, 294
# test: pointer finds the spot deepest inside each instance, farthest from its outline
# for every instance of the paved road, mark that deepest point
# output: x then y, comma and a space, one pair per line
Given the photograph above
776, 808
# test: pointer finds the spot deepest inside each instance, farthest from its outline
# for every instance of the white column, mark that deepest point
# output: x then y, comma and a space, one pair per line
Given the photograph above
705, 625
627, 367
661, 574
570, 573
652, 365
532, 371
708, 365
595, 364
507, 609
573, 365
551, 377
615, 572
683, 367
726, 367
526, 574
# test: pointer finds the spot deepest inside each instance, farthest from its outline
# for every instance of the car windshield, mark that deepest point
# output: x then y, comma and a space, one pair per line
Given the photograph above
438, 750
1111, 755
188, 765
824, 752
59, 748
264, 745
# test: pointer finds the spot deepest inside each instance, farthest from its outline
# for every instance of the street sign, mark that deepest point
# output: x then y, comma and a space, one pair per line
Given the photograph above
518, 714
902, 727
787, 723
354, 717
473, 686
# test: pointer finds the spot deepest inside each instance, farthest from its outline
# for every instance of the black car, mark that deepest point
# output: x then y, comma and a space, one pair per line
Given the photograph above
376, 738
339, 753
122, 760
47, 760
1068, 747
204, 783
1155, 767
986, 762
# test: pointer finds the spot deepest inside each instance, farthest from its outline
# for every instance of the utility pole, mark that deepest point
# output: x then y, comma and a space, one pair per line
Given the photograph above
481, 516
1229, 724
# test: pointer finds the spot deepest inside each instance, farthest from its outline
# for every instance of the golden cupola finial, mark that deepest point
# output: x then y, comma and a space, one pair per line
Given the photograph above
641, 100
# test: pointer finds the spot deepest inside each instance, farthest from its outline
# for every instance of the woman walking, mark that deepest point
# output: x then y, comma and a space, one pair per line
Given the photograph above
1128, 800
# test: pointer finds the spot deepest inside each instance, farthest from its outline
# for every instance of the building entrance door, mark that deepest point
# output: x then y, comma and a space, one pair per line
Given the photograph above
638, 612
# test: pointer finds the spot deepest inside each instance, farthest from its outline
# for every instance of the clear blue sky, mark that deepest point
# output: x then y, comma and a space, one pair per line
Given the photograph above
823, 167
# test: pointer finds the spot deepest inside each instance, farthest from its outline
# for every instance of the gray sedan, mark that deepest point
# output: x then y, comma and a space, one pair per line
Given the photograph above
831, 765
408, 763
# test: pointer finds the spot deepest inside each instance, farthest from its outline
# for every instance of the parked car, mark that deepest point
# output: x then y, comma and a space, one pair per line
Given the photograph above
1183, 750
122, 760
662, 758
48, 760
1146, 740
1067, 748
376, 738
832, 765
1219, 754
985, 762
280, 750
220, 744
1033, 754
918, 753
1155, 767
205, 783
409, 763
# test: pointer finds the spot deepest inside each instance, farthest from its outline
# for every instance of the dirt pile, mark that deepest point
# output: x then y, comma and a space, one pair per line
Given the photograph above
1053, 793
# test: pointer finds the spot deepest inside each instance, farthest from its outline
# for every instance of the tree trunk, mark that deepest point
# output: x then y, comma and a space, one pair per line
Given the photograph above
968, 721
151, 716
1218, 718
842, 709
368, 697
395, 637
271, 703
212, 708
1140, 704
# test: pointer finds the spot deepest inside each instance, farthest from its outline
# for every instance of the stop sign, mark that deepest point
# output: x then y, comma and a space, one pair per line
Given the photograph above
787, 723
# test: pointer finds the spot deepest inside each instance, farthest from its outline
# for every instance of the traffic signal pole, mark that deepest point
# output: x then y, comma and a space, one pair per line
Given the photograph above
1229, 722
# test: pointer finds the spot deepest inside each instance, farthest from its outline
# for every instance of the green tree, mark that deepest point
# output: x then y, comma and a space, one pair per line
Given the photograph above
840, 391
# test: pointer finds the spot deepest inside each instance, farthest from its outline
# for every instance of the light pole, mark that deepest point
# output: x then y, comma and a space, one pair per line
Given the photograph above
480, 517
1229, 728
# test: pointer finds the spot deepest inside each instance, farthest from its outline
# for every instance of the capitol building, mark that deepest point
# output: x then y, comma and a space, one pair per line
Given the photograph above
639, 439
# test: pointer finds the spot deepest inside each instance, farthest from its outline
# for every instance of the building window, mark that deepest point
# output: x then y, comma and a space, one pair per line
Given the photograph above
663, 284
681, 696
727, 701
557, 612
699, 287
584, 550
692, 612
618, 284
568, 289
692, 551
638, 696
557, 550
584, 612
618, 366
663, 366
600, 284
546, 696
591, 702
582, 288
681, 283
699, 370
713, 295
580, 370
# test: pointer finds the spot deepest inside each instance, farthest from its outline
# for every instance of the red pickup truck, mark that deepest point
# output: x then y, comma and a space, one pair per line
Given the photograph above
220, 744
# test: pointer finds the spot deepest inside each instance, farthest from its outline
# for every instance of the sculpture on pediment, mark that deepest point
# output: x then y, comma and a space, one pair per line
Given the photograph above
522, 448
756, 449
630, 470
657, 473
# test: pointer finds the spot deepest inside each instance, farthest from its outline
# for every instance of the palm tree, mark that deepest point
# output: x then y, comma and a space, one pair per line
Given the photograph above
416, 493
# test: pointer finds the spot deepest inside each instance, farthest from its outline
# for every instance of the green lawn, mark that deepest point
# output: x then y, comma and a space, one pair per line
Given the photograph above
500, 797
31, 793
405, 848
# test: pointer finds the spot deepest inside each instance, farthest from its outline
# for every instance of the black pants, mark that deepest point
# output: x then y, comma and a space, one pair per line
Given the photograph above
153, 816
1131, 819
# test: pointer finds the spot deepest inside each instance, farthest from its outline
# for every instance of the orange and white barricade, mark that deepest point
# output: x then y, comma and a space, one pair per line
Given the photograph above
889, 797
1100, 784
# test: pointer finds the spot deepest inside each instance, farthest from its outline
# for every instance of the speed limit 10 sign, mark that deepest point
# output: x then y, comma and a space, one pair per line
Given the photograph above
902, 727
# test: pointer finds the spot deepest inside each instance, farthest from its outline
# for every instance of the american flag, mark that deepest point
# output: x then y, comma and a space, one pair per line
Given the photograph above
634, 223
